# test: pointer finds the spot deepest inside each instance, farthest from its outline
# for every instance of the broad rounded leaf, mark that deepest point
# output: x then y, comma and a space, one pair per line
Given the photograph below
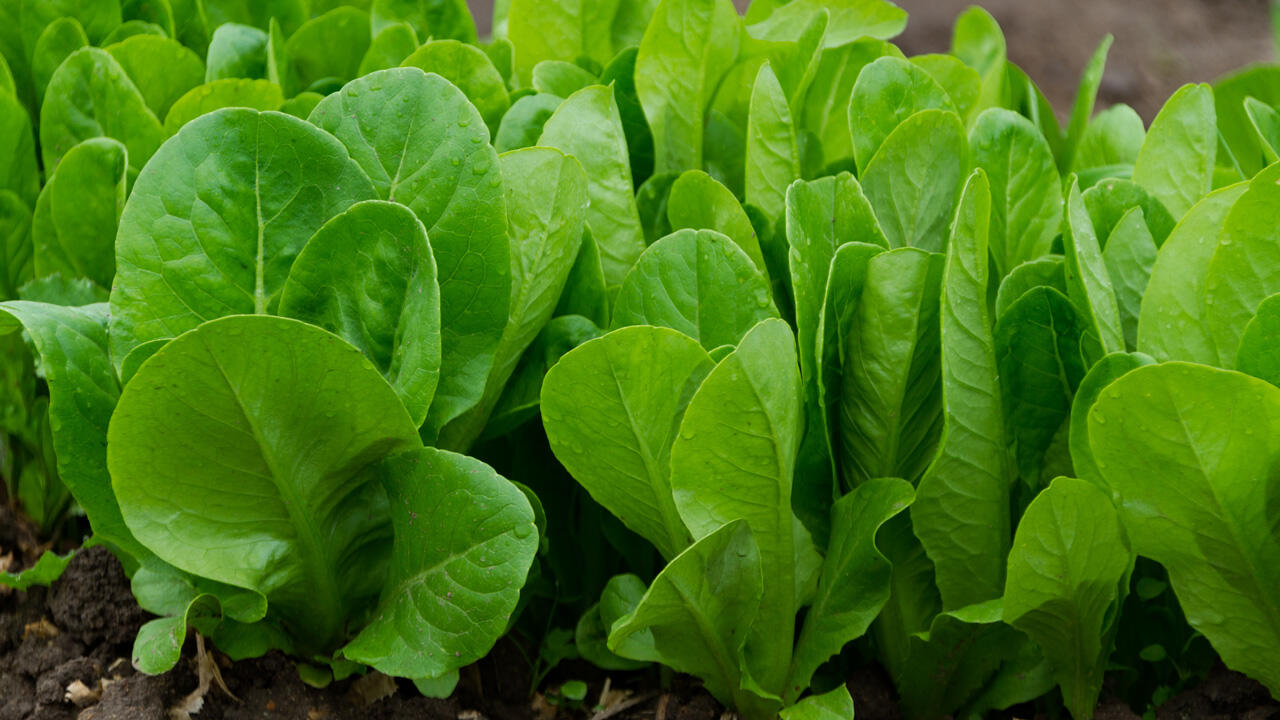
464, 541
1177, 159
217, 218
546, 212
237, 51
889, 91
162, 69
1173, 323
588, 126
243, 452
611, 408
1214, 436
424, 145
697, 282
734, 458
1257, 355
1068, 576
329, 46
368, 276
471, 71
225, 93
91, 96
1026, 192
73, 229
1245, 269
914, 180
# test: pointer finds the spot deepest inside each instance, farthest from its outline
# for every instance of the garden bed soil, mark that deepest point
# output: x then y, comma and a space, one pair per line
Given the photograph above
64, 656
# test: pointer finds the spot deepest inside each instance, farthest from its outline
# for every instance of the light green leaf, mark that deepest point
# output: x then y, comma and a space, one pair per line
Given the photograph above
91, 96
301, 105
162, 69
1257, 354
962, 512
561, 78
1110, 145
588, 126
611, 409
465, 538
440, 19
522, 395
1026, 192
1215, 436
236, 51
15, 244
389, 48
18, 171
48, 568
891, 396
1088, 284
560, 30
329, 46
546, 209
1086, 98
821, 215
1040, 345
72, 345
734, 458
265, 183
1102, 374
1266, 123
471, 71
130, 28
1177, 159
522, 125
697, 201
687, 48
1129, 255
773, 160
979, 42
1240, 139
1048, 270
1245, 269
226, 93
962, 83
829, 92
695, 612
1068, 575
889, 91
1109, 200
699, 283
291, 14
425, 146
274, 421
915, 178
834, 705
59, 39
621, 596
73, 229
851, 20
368, 276
97, 17
584, 292
855, 577
158, 646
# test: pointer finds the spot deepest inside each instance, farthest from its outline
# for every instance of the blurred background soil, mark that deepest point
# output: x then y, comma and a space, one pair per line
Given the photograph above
1160, 44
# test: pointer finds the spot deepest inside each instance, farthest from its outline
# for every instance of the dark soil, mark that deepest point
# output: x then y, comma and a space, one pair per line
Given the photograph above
78, 635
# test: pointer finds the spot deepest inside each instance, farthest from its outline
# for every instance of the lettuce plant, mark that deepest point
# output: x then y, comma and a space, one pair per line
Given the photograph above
847, 353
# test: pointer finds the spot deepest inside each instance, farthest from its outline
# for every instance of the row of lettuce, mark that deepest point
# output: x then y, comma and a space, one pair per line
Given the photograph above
857, 356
